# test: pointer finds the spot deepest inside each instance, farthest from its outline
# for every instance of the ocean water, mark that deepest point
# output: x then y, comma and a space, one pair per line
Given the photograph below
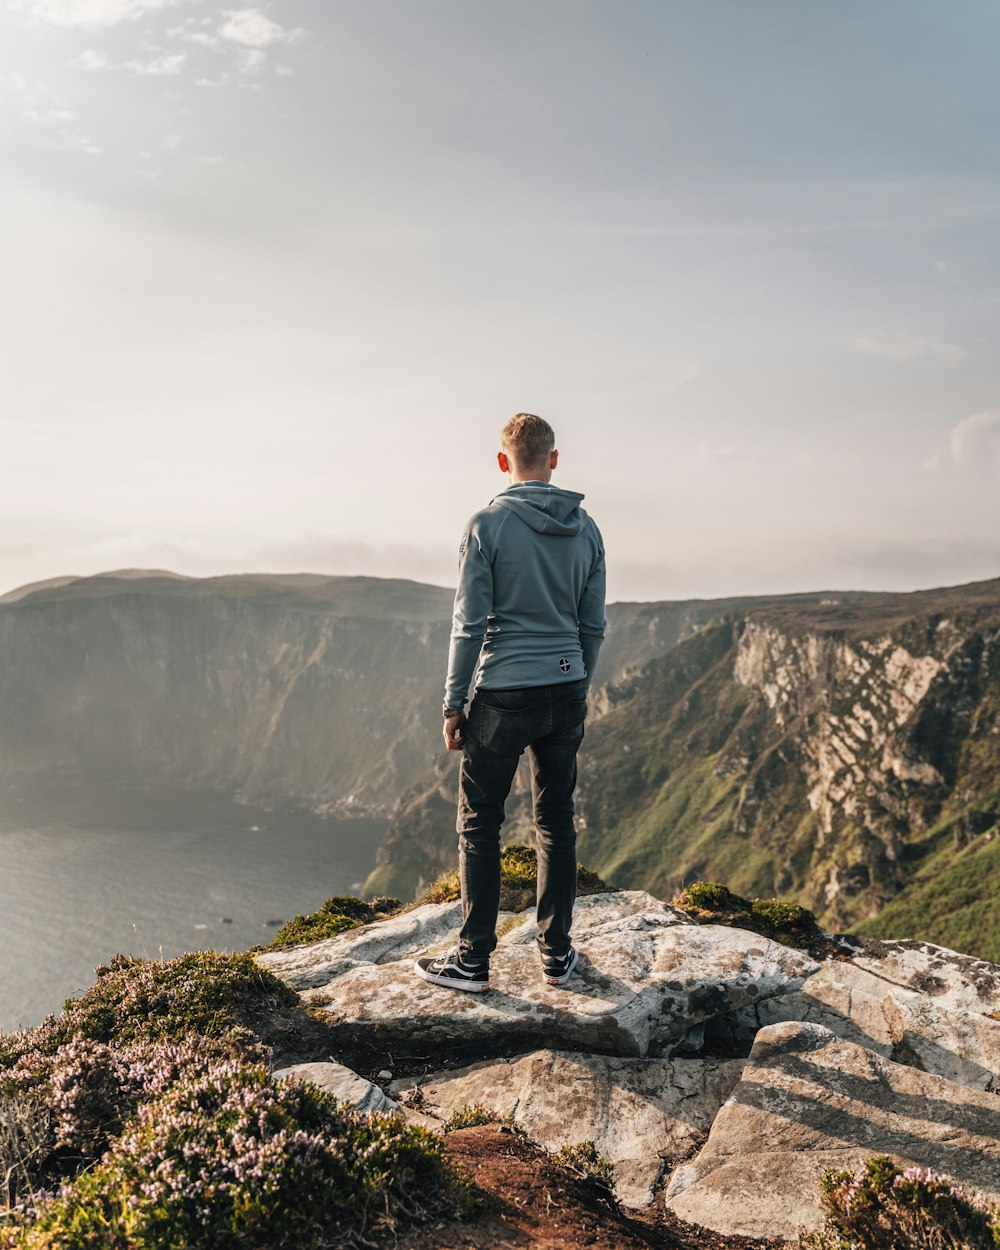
85, 874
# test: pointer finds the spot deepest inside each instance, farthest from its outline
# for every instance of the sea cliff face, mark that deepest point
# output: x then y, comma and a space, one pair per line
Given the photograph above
841, 749
845, 753
272, 693
281, 688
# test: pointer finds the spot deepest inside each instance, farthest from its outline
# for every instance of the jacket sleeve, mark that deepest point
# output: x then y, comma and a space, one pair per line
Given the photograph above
590, 614
473, 605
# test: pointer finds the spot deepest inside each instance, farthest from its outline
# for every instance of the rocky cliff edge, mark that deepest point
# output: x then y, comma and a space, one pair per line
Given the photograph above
717, 1071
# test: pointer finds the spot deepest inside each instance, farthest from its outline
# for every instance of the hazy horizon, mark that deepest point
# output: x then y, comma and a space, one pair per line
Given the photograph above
765, 593
276, 274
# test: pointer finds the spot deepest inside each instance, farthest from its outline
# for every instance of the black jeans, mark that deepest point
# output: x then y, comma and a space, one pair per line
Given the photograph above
502, 724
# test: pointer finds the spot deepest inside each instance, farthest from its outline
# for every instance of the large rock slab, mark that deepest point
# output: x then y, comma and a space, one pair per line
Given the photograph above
897, 1023
647, 978
639, 1113
809, 1101
433, 924
344, 1084
954, 981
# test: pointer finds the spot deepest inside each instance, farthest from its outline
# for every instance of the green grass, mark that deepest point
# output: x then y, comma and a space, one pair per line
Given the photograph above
686, 831
470, 1116
953, 901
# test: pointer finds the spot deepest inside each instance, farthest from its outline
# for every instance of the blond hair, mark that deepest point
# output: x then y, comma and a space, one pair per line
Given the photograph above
528, 440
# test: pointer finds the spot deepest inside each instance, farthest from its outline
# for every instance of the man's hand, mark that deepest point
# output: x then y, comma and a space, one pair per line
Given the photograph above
454, 728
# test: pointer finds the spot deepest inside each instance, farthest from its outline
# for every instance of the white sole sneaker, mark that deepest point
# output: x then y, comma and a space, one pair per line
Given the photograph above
561, 976
451, 975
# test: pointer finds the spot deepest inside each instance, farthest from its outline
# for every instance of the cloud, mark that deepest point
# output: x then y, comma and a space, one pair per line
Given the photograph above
973, 442
973, 445
254, 29
167, 64
89, 59
92, 13
245, 36
905, 347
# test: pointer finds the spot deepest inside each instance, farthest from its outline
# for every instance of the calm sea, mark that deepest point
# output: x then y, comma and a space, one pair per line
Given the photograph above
84, 874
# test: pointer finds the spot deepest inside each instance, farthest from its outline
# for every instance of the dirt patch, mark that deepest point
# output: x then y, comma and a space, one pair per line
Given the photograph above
527, 1200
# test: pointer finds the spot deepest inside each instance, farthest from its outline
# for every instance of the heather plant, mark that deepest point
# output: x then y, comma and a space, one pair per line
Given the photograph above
202, 992
884, 1207
86, 1092
231, 1160
142, 1027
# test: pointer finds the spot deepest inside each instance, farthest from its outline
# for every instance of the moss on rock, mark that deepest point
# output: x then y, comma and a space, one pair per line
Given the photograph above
336, 915
518, 880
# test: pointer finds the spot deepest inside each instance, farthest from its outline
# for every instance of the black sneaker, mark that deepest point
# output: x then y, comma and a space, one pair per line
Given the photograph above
452, 970
557, 970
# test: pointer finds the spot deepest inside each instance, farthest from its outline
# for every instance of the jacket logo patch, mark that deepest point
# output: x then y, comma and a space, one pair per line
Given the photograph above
564, 665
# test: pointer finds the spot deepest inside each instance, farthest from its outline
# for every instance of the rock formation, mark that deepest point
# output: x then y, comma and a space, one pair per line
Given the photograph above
715, 1069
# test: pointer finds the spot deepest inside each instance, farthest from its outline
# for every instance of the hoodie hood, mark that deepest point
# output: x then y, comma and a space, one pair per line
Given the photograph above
547, 509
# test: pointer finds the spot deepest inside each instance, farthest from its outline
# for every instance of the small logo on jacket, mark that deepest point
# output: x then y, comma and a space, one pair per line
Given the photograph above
564, 665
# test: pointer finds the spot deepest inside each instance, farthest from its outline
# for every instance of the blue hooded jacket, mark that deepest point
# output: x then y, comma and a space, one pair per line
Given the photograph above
529, 609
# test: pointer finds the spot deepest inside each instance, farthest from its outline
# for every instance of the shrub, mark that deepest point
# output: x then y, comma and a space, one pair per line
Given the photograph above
783, 917
337, 915
229, 1160
584, 1160
88, 1091
134, 1000
144, 1117
886, 1208
709, 902
469, 1116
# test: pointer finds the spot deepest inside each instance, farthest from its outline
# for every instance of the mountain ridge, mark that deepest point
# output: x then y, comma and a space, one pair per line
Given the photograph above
838, 747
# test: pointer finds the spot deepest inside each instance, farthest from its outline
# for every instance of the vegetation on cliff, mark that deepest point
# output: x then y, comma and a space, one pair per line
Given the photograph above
884, 1207
841, 752
145, 1116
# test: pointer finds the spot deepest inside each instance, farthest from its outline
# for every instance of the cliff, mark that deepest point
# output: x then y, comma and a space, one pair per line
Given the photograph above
313, 691
839, 748
718, 1071
844, 752
697, 1085
294, 689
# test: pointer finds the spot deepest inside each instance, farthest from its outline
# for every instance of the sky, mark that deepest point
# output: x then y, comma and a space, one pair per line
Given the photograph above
273, 277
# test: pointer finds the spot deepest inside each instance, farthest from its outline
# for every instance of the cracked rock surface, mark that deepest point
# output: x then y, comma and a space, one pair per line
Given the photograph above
646, 979
809, 1101
893, 1050
641, 1114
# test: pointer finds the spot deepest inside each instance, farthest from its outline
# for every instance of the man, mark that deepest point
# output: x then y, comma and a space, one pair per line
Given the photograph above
529, 621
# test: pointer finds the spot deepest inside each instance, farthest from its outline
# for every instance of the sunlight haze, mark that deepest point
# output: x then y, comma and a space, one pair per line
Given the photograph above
274, 277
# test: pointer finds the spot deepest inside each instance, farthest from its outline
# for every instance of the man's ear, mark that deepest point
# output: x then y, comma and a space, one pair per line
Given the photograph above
503, 462
553, 458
